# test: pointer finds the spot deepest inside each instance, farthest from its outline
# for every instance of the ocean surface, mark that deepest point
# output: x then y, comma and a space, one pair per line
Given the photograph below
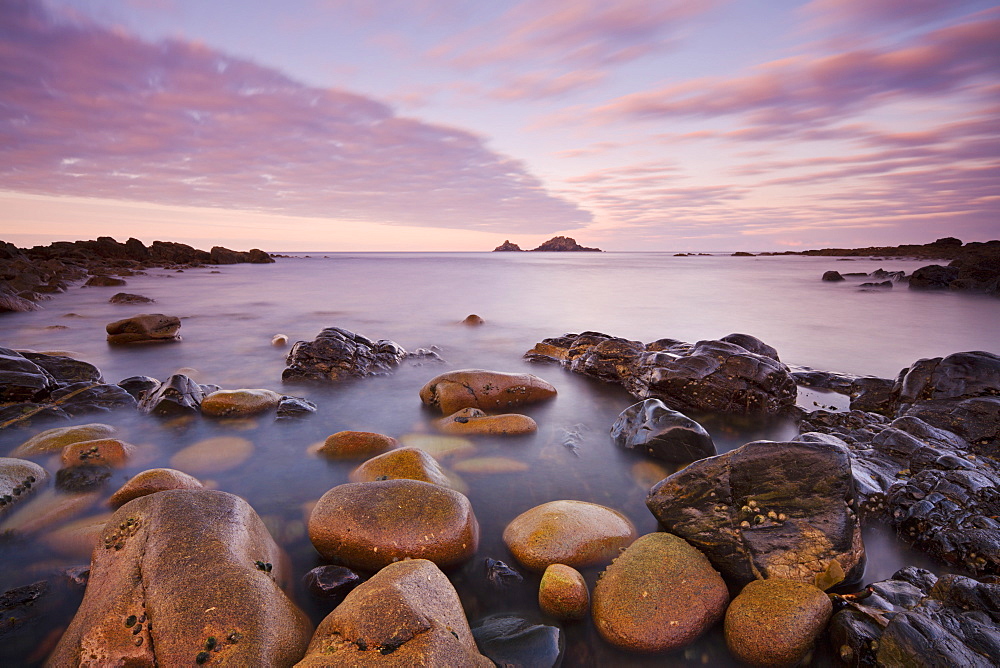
230, 313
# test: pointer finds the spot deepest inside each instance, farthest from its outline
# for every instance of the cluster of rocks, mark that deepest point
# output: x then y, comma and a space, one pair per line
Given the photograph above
555, 244
974, 267
31, 274
752, 539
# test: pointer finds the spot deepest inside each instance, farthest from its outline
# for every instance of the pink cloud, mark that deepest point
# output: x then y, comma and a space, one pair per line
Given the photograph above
808, 92
891, 12
91, 112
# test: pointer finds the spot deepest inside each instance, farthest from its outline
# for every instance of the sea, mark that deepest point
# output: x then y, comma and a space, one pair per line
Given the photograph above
231, 313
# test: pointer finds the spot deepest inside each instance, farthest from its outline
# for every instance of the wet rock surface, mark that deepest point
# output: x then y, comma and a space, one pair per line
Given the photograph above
18, 479
659, 595
356, 445
145, 328
151, 481
652, 428
510, 640
472, 421
407, 614
338, 354
914, 618
575, 533
331, 583
736, 374
178, 395
239, 403
767, 510
485, 390
185, 559
563, 593
407, 463
368, 525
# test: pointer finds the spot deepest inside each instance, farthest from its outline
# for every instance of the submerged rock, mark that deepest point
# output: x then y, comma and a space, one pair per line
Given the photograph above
659, 595
239, 403
127, 298
472, 421
54, 440
575, 533
833, 276
485, 390
767, 510
203, 566
18, 479
368, 525
293, 408
338, 354
650, 427
357, 445
509, 640
407, 614
331, 583
736, 374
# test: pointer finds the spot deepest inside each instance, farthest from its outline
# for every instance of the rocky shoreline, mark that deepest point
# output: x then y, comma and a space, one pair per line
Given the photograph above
763, 541
30, 275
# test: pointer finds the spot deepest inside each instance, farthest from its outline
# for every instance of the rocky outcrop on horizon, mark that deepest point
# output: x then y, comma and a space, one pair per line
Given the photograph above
28, 275
556, 244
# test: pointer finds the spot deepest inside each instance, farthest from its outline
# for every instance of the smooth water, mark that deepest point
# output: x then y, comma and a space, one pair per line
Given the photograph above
230, 313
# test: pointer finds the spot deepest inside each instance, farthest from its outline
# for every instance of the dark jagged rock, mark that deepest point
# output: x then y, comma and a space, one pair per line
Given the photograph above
933, 277
144, 328
21, 379
564, 244
882, 274
957, 376
139, 386
916, 619
331, 583
767, 510
867, 393
650, 427
883, 285
293, 408
10, 301
706, 376
338, 354
86, 397
506, 246
178, 395
66, 369
509, 640
103, 281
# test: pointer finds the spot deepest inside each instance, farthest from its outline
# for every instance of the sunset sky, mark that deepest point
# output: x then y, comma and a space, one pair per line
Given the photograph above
334, 125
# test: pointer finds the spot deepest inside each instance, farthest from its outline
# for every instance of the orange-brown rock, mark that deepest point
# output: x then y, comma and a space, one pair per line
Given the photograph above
575, 533
54, 440
357, 445
775, 622
101, 452
659, 595
150, 481
409, 463
486, 390
407, 614
368, 525
472, 421
563, 593
145, 328
184, 577
239, 403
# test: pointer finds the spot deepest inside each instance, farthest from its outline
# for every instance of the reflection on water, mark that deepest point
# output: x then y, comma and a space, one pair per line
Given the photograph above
229, 318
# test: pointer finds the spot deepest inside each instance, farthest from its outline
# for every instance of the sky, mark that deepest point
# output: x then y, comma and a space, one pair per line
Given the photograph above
450, 125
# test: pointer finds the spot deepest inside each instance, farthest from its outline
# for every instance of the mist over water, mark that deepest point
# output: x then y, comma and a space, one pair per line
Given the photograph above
230, 313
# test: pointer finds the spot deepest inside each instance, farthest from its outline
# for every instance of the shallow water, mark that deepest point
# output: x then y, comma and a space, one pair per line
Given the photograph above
230, 314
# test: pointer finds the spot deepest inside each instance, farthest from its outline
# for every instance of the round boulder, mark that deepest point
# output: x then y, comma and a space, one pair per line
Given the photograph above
101, 452
486, 390
54, 440
474, 422
659, 595
575, 533
150, 481
409, 463
356, 445
650, 427
563, 593
239, 403
775, 622
368, 525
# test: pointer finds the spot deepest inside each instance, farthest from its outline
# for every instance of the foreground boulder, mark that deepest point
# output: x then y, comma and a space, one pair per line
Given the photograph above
338, 354
368, 525
407, 614
736, 374
201, 565
659, 595
775, 622
767, 510
146, 328
574, 533
485, 390
650, 427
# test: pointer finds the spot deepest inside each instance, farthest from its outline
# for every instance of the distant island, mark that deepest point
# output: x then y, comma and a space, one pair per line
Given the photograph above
558, 244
